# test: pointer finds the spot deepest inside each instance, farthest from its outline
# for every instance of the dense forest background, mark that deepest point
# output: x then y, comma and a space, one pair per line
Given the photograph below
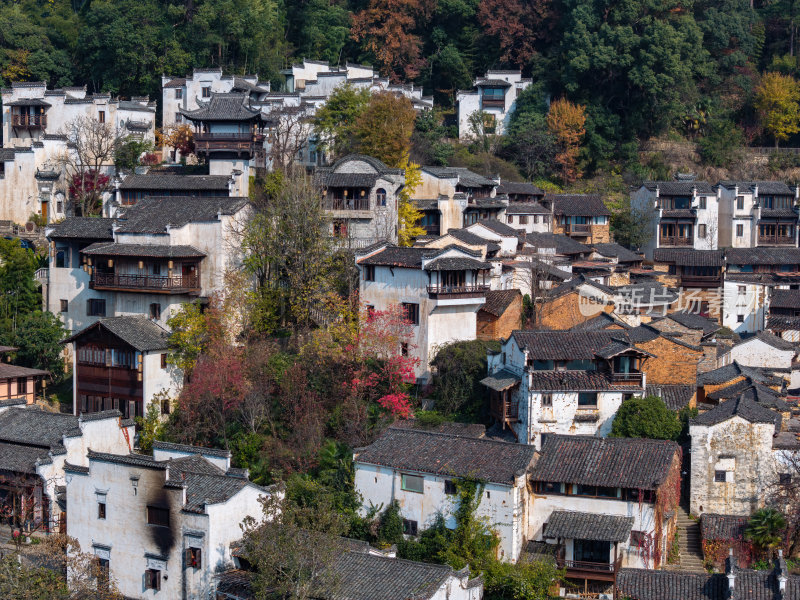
640, 67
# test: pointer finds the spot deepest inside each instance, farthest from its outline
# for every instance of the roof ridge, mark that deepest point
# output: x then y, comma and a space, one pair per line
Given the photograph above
450, 435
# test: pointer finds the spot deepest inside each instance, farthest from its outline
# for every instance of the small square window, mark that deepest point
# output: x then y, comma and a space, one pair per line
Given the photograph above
523, 219
152, 579
702, 202
409, 527
101, 510
547, 399
155, 311
101, 116
178, 93
450, 487
739, 202
64, 305
369, 273
95, 307
742, 290
411, 311
164, 360
158, 516
194, 558
206, 91
412, 483
785, 478
587, 399
740, 318
720, 476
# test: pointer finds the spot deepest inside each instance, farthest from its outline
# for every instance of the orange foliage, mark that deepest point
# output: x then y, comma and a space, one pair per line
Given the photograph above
517, 25
567, 122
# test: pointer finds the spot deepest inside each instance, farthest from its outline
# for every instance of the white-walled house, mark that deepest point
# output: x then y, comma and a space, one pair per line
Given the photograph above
745, 301
35, 447
121, 363
441, 291
763, 349
757, 213
360, 196
605, 503
161, 525
420, 470
679, 214
496, 97
737, 452
154, 257
569, 382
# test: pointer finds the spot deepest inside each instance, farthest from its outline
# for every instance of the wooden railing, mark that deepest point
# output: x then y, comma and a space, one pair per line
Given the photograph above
146, 282
231, 137
577, 229
504, 410
355, 203
470, 290
37, 121
493, 102
676, 241
776, 240
628, 377
229, 142
701, 280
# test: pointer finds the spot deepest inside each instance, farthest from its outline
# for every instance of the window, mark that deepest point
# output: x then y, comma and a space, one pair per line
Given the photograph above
411, 311
164, 360
194, 558
207, 91
157, 515
64, 305
585, 490
165, 407
523, 219
701, 230
380, 197
177, 120
720, 476
450, 487
103, 567
740, 230
156, 269
178, 93
101, 509
409, 527
739, 202
340, 229
22, 385
548, 487
152, 579
404, 348
547, 399
412, 483
510, 219
95, 307
742, 289
101, 116
155, 311
61, 259
587, 399
785, 478
369, 273
543, 365
702, 202
740, 318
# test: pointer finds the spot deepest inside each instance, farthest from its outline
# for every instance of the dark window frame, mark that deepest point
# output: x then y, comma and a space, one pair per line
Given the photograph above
158, 516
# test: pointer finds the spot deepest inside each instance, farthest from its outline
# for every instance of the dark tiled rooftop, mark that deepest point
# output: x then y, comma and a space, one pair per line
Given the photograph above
154, 214
88, 228
746, 409
689, 257
497, 301
139, 332
573, 525
722, 527
577, 204
158, 180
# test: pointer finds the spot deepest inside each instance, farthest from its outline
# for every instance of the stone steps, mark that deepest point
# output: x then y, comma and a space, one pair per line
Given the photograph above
689, 543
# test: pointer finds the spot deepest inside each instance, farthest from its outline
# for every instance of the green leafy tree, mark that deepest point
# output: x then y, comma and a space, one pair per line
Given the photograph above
384, 129
632, 227
321, 29
646, 417
151, 426
522, 581
460, 366
723, 144
127, 155
335, 121
765, 530
189, 336
19, 292
38, 339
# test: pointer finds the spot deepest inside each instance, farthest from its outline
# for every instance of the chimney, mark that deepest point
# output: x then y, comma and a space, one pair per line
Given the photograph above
782, 574
730, 572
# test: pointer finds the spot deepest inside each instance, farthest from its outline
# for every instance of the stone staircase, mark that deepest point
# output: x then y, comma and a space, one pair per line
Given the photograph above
689, 543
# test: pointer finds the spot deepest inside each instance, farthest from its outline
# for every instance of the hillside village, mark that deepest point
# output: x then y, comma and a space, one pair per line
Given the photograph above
276, 358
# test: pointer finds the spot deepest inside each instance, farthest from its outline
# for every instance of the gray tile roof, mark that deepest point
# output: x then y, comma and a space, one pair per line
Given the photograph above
139, 332
85, 228
577, 204
449, 455
35, 427
785, 299
562, 243
783, 323
646, 292
752, 390
600, 322
774, 341
746, 409
224, 107
499, 227
675, 396
493, 83
622, 254
571, 344
497, 301
577, 381
694, 321
734, 370
19, 458
456, 263
158, 180
679, 188
28, 102
395, 256
475, 430
472, 239
573, 525
722, 527
175, 82
763, 256
135, 106
154, 214
7, 371
192, 449
465, 177
576, 282
689, 257
777, 213
526, 208
376, 164
680, 213
618, 462
148, 250
778, 188
501, 380
519, 188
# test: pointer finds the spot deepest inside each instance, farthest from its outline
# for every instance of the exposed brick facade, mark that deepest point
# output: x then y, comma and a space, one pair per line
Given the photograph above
490, 327
564, 312
672, 363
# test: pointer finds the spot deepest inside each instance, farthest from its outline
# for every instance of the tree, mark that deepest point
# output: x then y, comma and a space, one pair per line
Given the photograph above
460, 366
189, 337
776, 100
38, 338
522, 581
646, 417
335, 120
384, 128
517, 25
765, 530
90, 151
566, 122
322, 29
723, 144
408, 215
294, 548
387, 29
531, 145
632, 226
129, 153
290, 136
19, 292
180, 137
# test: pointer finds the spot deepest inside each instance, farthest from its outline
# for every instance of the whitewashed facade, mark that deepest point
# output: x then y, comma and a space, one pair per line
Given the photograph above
496, 96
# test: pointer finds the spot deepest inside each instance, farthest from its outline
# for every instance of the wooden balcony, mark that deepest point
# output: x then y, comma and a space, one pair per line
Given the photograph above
683, 242
590, 570
776, 240
457, 291
505, 411
701, 281
354, 203
578, 229
493, 103
29, 121
240, 143
175, 284
628, 378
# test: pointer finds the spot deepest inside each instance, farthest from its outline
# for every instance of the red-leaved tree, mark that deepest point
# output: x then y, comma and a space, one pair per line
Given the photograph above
86, 190
518, 25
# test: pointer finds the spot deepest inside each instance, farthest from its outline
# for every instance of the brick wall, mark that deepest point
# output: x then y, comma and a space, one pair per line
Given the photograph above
600, 234
672, 364
564, 312
490, 327
619, 278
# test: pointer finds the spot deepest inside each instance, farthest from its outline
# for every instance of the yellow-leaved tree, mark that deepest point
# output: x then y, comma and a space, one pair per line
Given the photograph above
776, 101
567, 123
408, 215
